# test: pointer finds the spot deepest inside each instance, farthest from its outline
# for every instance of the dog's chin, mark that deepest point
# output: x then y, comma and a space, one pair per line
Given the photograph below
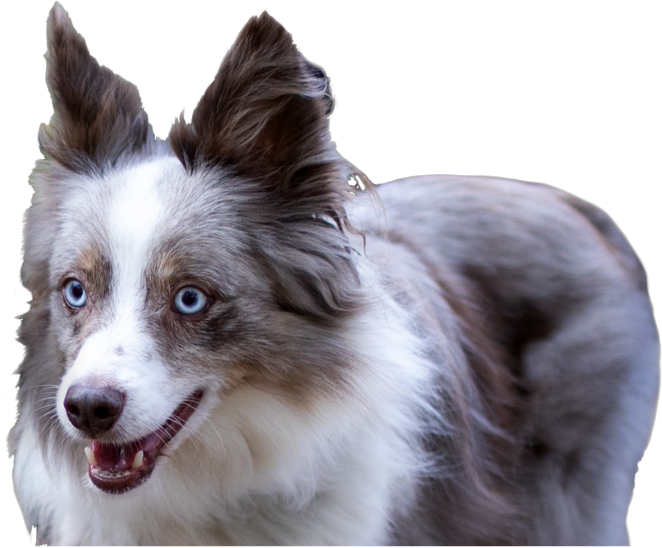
117, 468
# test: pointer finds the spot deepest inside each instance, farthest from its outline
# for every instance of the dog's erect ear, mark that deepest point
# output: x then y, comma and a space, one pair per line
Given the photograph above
97, 115
264, 115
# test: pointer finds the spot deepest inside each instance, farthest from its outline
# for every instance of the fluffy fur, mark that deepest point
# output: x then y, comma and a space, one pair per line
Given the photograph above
438, 360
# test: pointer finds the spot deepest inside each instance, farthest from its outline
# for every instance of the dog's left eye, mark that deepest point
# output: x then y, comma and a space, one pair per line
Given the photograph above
74, 294
190, 300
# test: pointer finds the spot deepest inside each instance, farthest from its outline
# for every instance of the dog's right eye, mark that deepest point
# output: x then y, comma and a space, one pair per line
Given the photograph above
189, 301
74, 294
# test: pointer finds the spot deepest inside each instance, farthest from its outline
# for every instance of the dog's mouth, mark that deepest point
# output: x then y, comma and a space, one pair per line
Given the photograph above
117, 468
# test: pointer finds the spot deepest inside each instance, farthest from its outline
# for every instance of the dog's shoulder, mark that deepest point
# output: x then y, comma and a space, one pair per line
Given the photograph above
556, 329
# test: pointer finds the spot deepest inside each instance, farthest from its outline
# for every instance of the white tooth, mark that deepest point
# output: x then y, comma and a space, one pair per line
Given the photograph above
90, 456
138, 460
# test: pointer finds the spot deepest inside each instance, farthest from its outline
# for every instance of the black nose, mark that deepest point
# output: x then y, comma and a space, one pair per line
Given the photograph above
93, 409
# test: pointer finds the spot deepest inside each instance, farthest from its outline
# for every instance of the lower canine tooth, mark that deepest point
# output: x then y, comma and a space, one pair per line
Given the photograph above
137, 460
90, 456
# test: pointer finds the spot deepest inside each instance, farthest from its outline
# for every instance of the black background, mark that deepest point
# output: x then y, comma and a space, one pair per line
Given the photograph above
563, 93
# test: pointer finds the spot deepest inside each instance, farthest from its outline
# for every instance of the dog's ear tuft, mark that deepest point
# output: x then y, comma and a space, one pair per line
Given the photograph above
265, 115
97, 115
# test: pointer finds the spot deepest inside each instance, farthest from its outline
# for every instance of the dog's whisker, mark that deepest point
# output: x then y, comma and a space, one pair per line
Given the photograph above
45, 410
42, 386
52, 397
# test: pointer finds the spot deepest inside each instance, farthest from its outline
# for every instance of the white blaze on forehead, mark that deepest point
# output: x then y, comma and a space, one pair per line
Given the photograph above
136, 216
133, 218
136, 212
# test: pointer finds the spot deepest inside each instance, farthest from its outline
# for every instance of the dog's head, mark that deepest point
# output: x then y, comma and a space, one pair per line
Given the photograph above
168, 277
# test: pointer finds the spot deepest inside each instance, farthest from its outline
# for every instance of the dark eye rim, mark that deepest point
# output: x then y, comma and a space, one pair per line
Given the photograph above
64, 294
208, 302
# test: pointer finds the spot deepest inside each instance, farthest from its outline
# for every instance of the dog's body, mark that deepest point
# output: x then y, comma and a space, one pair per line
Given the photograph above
248, 352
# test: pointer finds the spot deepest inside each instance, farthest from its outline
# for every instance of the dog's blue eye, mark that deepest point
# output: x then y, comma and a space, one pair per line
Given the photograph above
74, 294
190, 300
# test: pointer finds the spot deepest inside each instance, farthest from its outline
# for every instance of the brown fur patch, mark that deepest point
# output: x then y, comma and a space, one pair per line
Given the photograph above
96, 269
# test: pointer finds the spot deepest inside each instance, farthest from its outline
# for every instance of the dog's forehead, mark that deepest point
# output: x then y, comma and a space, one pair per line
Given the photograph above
144, 214
117, 215
136, 208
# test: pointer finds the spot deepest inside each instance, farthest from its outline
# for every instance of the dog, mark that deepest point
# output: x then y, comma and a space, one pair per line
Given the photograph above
235, 338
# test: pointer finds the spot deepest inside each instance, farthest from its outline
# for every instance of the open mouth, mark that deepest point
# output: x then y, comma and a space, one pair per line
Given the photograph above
117, 468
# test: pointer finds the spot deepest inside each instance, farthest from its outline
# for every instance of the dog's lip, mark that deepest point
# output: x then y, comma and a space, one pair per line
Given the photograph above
117, 468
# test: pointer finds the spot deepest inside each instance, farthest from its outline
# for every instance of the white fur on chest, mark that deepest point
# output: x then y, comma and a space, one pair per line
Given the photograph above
348, 503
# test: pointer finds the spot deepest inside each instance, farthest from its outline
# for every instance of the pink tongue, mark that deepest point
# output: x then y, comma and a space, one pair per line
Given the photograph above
116, 458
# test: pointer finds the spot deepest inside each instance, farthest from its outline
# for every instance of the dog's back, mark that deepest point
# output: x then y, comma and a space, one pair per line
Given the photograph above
559, 335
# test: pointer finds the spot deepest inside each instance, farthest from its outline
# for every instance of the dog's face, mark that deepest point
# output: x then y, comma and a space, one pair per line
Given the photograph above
167, 277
